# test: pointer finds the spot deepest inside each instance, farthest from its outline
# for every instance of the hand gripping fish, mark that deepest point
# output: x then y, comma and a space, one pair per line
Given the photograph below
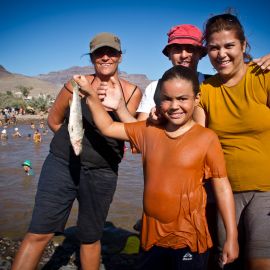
75, 126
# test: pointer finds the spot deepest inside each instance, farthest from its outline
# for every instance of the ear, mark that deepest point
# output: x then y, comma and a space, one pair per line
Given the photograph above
169, 53
197, 99
244, 46
120, 59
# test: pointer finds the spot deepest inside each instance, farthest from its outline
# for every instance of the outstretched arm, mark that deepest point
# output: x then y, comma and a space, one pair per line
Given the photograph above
102, 119
226, 207
123, 112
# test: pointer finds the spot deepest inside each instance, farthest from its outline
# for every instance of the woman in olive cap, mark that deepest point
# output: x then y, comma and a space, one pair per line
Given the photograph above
91, 177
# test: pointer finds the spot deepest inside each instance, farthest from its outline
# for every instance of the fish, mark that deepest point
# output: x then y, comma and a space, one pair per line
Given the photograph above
75, 124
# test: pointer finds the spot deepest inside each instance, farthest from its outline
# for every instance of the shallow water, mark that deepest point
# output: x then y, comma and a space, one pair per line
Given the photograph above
17, 190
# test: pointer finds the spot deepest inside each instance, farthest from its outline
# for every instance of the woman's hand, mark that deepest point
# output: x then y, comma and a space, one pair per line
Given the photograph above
102, 90
111, 96
263, 62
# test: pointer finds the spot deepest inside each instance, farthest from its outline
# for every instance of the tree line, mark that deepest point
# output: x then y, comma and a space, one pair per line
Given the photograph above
36, 104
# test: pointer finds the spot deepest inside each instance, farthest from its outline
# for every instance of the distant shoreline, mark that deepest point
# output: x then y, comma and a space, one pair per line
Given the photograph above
30, 117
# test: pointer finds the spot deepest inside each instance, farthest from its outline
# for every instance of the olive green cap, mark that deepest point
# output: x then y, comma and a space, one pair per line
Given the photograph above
105, 40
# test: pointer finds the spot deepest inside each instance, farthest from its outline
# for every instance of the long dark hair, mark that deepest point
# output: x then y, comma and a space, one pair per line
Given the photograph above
228, 22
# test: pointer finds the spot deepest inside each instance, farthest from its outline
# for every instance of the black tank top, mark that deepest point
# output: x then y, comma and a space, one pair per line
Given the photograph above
98, 151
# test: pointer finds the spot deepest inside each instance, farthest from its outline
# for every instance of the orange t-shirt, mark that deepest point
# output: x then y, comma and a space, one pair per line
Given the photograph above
174, 199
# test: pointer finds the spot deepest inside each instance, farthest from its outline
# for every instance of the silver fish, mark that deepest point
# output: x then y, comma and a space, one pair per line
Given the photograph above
75, 126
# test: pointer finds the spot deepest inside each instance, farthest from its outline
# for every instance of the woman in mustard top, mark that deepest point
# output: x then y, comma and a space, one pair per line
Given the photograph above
235, 104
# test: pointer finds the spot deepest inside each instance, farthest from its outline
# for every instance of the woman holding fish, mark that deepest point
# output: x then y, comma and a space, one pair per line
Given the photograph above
82, 163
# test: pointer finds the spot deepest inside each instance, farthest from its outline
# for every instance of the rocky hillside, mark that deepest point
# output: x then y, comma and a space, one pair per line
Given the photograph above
61, 76
52, 82
4, 72
11, 81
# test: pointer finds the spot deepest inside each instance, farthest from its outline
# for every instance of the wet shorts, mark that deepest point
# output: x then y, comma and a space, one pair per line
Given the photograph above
59, 186
253, 219
160, 258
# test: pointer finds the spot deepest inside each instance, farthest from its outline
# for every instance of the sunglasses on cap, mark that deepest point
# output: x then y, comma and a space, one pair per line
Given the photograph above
111, 52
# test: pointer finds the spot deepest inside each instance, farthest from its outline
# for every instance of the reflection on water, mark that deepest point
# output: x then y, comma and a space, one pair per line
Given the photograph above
17, 190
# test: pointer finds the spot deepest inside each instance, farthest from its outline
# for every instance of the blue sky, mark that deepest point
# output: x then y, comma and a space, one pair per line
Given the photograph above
40, 36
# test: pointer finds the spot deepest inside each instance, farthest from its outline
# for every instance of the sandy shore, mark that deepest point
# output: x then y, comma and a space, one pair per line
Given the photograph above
31, 117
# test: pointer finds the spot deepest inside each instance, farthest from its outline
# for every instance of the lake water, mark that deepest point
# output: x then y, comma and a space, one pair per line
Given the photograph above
17, 190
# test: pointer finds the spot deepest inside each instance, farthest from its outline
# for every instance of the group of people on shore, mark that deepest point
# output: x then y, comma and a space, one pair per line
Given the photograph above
190, 129
34, 133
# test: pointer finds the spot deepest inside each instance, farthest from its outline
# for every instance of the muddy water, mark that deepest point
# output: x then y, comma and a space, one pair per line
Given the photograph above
17, 190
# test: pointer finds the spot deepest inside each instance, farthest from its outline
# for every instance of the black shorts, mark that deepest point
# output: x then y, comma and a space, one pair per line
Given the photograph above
59, 186
160, 258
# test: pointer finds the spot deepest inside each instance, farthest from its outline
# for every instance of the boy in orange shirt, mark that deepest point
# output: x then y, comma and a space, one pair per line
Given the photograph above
177, 155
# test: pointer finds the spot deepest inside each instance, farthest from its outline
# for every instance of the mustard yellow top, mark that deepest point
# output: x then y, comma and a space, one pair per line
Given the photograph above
241, 118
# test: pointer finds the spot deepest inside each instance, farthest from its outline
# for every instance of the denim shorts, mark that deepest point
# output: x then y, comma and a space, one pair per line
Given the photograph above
161, 258
59, 185
253, 219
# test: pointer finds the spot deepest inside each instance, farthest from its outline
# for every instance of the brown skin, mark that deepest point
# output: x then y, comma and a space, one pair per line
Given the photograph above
177, 105
185, 55
263, 62
179, 54
26, 168
106, 65
226, 54
105, 61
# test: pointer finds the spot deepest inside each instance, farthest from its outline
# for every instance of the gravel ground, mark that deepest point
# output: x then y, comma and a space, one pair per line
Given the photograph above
55, 256
63, 251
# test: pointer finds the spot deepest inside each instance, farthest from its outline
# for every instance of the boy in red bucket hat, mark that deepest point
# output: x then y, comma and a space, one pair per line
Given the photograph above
185, 34
184, 48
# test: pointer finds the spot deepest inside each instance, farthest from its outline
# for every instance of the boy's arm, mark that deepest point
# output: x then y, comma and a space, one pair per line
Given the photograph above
123, 112
225, 202
102, 119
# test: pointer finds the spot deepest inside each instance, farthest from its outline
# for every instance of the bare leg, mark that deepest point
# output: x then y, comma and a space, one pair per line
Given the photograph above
90, 256
255, 264
30, 251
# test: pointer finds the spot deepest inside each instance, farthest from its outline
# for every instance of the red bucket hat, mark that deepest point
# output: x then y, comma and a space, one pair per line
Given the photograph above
185, 34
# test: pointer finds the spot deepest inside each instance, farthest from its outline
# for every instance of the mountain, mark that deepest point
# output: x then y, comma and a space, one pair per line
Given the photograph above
11, 81
52, 82
4, 72
62, 76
